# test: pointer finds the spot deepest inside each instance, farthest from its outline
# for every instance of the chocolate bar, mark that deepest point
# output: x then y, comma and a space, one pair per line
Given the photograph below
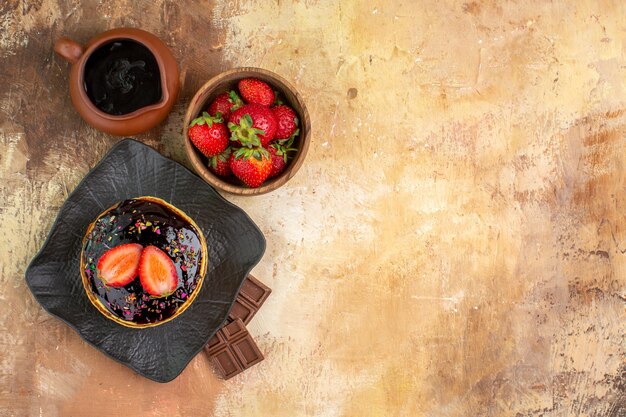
232, 349
251, 297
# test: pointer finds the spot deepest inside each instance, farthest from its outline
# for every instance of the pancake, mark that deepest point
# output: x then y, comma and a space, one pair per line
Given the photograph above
148, 221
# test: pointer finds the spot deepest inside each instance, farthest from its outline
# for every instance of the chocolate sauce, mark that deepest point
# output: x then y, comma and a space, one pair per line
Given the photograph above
148, 223
122, 76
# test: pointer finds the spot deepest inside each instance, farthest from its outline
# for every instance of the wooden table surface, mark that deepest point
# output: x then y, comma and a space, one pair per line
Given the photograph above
454, 245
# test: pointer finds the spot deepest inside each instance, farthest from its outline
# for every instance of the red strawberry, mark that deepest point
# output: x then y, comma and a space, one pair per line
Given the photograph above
279, 154
287, 121
261, 124
251, 165
219, 165
119, 265
157, 272
208, 134
278, 162
224, 104
255, 91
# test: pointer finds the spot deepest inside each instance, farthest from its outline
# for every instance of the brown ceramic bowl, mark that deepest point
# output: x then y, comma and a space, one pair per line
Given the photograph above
227, 81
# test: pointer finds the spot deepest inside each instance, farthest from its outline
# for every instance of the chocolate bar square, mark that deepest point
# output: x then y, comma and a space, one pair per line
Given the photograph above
247, 352
242, 310
255, 291
226, 363
234, 330
215, 343
232, 350
251, 297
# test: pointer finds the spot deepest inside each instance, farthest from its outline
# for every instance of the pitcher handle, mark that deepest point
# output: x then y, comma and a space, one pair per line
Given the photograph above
68, 49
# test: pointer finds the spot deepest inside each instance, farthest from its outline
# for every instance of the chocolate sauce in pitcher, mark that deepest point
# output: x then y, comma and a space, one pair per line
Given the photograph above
122, 76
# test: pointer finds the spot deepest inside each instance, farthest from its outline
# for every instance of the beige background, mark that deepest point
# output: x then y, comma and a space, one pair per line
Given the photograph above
455, 244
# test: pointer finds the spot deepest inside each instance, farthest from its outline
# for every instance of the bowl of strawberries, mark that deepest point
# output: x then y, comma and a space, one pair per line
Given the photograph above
247, 131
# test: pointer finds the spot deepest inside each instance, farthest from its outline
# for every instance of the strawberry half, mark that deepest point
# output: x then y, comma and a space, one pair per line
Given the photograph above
255, 91
224, 104
157, 272
208, 134
287, 121
252, 121
119, 265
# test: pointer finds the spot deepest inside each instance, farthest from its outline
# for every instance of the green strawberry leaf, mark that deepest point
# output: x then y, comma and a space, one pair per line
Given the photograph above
283, 147
277, 100
240, 153
244, 133
246, 121
197, 121
292, 137
207, 118
234, 100
223, 157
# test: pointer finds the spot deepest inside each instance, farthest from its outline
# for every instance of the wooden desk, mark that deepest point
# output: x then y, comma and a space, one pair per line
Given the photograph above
454, 245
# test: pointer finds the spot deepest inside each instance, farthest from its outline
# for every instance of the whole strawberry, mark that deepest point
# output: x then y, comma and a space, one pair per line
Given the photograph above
260, 123
208, 134
287, 121
224, 104
255, 91
219, 164
251, 165
279, 155
278, 162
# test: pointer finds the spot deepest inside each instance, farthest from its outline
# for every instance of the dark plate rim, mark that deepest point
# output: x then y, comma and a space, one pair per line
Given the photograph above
57, 219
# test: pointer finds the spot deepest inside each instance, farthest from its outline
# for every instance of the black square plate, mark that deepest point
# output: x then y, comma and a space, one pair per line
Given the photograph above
234, 244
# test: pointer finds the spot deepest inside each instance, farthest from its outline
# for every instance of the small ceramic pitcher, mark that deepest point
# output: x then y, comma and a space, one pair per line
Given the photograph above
139, 120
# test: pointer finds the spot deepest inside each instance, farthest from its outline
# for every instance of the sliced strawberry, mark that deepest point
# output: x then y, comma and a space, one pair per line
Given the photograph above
119, 265
157, 272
